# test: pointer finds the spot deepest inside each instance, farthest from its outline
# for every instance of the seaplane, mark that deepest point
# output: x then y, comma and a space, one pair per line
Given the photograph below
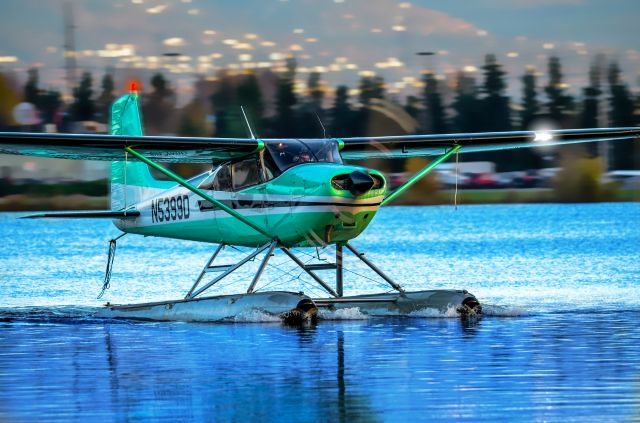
271, 195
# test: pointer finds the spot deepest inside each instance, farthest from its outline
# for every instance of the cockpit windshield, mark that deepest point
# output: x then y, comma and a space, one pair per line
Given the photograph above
292, 152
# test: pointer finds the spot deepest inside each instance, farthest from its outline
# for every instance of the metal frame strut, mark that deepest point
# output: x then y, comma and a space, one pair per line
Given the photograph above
207, 268
310, 269
229, 270
374, 268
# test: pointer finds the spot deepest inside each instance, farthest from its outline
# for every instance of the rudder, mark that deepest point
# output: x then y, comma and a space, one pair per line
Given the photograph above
135, 176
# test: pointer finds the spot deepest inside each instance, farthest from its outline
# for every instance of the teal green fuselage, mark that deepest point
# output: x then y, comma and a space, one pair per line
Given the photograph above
300, 207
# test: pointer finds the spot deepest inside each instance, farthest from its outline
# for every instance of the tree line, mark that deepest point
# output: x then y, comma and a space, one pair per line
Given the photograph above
479, 104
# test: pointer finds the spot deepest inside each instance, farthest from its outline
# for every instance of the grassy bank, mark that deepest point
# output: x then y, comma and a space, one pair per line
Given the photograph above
23, 202
503, 196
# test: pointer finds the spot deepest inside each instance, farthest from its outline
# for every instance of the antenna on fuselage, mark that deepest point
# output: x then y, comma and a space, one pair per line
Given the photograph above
324, 131
246, 119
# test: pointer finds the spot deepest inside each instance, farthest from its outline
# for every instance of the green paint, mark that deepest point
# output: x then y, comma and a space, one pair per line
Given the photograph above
294, 225
260, 146
419, 175
126, 120
340, 143
298, 229
195, 190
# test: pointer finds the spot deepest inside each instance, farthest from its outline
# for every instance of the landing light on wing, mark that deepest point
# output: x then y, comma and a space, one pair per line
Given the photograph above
543, 136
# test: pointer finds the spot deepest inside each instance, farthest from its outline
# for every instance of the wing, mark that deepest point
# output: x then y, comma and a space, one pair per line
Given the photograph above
111, 147
435, 145
215, 150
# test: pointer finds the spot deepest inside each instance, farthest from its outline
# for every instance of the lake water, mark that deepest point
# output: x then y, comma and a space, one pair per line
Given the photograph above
560, 341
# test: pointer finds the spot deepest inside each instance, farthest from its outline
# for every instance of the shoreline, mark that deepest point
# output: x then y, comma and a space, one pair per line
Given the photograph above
22, 202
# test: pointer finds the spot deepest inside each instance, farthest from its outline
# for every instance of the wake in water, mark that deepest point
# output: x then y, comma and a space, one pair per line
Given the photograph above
451, 312
487, 310
56, 314
352, 313
83, 314
503, 311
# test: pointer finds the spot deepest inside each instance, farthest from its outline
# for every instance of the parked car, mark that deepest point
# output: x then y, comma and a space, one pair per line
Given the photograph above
482, 181
529, 179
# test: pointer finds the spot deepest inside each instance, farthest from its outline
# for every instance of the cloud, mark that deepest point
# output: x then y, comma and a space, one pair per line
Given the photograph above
391, 15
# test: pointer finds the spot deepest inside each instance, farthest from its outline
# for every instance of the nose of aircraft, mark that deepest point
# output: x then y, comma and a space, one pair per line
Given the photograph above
359, 182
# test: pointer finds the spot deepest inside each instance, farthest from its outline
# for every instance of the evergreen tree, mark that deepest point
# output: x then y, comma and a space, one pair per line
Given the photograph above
526, 158
467, 105
341, 114
589, 115
223, 101
530, 105
621, 100
50, 103
159, 106
249, 96
496, 104
559, 104
31, 90
316, 95
411, 106
621, 115
435, 114
370, 88
311, 113
83, 107
285, 124
379, 87
106, 98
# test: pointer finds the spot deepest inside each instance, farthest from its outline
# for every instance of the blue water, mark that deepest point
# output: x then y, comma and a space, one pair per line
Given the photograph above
561, 284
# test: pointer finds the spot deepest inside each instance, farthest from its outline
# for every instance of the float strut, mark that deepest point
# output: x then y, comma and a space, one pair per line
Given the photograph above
339, 273
204, 270
374, 268
263, 265
230, 270
309, 272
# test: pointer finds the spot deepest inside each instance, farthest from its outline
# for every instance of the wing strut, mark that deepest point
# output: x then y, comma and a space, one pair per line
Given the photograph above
198, 192
415, 178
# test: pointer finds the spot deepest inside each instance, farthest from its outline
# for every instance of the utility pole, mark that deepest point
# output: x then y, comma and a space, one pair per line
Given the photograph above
70, 64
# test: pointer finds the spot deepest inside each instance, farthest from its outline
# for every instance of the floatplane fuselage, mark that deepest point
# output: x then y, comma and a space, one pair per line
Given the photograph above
300, 196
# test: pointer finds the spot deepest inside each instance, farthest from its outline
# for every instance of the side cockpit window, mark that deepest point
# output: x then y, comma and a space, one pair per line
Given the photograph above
219, 180
207, 183
234, 176
245, 173
222, 182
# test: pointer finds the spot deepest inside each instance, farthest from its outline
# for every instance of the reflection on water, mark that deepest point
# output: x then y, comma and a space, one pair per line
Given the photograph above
561, 285
539, 367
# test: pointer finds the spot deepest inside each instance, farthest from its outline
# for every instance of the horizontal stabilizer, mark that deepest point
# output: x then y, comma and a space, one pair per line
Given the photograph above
130, 214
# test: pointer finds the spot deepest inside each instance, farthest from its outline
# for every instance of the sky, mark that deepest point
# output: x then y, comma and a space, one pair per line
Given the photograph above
343, 39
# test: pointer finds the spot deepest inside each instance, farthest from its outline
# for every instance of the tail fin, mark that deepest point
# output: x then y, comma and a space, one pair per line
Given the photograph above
135, 176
